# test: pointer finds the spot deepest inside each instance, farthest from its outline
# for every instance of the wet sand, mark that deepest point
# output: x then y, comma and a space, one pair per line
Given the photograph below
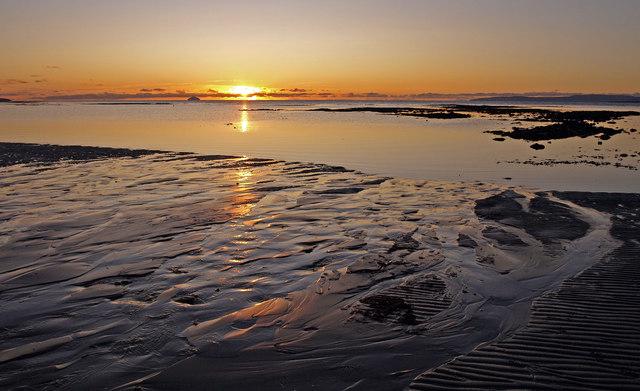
170, 271
584, 335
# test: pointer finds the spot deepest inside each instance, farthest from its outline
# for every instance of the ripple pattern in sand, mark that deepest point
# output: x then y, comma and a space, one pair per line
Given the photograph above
130, 270
584, 336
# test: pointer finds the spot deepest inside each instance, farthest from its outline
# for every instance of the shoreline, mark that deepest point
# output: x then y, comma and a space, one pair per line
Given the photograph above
221, 266
444, 149
47, 153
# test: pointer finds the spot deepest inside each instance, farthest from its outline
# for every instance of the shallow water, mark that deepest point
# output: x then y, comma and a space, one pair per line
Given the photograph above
114, 270
401, 147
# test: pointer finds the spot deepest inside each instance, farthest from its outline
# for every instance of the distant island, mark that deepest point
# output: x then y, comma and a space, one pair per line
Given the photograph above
193, 99
579, 98
5, 100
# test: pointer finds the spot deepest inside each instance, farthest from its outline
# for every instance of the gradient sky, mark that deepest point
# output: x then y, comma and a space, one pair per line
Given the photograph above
65, 47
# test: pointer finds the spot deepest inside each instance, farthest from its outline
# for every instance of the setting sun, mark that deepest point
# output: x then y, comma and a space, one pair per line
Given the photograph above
244, 90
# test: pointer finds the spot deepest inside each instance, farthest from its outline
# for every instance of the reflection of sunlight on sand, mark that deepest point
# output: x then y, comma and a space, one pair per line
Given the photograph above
244, 177
243, 198
242, 209
263, 313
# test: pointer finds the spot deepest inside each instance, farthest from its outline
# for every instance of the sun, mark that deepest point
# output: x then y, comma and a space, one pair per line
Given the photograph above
244, 90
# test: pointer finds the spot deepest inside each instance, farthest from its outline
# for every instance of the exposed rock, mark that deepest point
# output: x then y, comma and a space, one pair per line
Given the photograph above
536, 146
466, 241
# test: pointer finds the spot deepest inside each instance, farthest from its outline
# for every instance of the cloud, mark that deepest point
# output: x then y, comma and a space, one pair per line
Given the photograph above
283, 93
52, 67
436, 96
13, 94
365, 95
14, 81
150, 93
474, 95
293, 90
107, 95
161, 93
152, 90
40, 81
155, 93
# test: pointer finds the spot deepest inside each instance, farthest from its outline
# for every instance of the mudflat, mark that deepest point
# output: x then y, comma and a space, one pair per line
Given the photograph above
162, 270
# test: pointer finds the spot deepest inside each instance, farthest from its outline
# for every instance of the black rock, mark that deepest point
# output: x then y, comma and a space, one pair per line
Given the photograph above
536, 146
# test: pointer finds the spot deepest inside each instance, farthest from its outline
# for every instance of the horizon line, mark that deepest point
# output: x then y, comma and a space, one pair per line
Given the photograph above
180, 96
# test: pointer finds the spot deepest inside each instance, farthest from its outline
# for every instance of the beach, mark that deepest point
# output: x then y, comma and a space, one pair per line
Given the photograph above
164, 270
333, 195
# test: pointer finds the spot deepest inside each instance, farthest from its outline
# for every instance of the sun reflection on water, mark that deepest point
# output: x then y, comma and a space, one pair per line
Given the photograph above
244, 122
243, 126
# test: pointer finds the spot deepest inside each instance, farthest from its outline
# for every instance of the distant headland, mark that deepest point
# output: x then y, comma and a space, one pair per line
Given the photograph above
567, 99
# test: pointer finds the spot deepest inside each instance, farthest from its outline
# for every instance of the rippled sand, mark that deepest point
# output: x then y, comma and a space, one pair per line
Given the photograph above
178, 270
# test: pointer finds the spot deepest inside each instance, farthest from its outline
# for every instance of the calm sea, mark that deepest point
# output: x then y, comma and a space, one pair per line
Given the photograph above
455, 150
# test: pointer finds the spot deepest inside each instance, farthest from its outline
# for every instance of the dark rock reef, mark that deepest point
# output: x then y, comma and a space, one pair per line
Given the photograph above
558, 131
433, 113
545, 115
563, 124
21, 153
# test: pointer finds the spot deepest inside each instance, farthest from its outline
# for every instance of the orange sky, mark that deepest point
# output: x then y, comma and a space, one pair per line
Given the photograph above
388, 49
